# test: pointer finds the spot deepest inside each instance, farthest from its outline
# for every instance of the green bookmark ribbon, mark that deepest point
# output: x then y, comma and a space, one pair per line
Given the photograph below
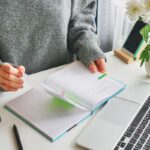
102, 76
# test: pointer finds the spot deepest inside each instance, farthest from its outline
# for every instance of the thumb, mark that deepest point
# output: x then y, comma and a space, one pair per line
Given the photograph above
21, 69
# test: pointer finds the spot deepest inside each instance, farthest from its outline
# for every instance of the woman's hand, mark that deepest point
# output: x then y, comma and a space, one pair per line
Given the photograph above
11, 77
98, 65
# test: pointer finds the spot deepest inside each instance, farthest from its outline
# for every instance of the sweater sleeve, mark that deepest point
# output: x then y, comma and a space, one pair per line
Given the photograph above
82, 39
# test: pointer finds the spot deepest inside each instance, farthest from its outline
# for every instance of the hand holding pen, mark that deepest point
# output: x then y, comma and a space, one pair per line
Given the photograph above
11, 77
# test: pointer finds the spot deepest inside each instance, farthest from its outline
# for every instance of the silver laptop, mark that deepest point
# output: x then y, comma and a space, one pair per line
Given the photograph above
123, 124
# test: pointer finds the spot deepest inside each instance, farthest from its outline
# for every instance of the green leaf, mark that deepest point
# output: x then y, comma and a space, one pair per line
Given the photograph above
145, 55
144, 32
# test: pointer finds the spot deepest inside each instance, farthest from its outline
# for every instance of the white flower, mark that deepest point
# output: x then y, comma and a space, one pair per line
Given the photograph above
147, 6
146, 18
134, 9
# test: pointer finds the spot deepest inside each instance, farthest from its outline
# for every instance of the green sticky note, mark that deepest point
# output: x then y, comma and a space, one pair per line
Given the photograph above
57, 102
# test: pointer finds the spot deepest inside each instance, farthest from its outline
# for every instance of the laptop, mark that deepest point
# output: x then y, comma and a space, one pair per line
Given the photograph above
123, 123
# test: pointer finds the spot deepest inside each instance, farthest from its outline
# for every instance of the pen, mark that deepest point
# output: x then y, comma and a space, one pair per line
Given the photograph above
17, 137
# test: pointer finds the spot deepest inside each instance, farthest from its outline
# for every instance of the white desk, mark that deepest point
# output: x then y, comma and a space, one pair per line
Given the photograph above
31, 139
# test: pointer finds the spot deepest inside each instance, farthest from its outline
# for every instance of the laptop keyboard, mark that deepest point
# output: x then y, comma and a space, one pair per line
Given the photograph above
137, 136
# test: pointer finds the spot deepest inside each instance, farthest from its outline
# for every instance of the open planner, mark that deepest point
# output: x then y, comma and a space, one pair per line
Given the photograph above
70, 96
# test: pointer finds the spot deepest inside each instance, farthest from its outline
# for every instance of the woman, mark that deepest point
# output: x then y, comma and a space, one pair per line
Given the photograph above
39, 34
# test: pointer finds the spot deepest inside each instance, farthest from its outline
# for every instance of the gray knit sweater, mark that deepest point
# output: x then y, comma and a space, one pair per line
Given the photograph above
41, 34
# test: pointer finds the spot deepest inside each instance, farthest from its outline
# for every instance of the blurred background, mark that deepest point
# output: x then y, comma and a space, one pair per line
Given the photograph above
113, 25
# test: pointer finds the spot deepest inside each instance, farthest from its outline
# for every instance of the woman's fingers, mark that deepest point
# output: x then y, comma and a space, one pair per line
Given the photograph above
98, 65
92, 67
10, 83
101, 65
10, 77
21, 69
11, 70
7, 88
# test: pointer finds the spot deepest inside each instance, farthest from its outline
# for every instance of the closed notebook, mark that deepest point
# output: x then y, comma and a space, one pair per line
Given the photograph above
71, 95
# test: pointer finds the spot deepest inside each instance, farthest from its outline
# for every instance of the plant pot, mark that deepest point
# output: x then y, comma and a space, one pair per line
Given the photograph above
147, 67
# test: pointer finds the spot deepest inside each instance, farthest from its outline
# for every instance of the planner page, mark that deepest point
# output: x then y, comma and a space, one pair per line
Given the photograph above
78, 84
47, 114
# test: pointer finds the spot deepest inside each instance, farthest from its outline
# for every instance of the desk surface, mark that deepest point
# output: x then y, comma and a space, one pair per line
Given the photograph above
31, 139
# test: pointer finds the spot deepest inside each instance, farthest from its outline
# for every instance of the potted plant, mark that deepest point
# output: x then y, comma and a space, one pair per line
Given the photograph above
140, 10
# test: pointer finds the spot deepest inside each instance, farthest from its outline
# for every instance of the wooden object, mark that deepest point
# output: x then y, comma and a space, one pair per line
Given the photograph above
123, 55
